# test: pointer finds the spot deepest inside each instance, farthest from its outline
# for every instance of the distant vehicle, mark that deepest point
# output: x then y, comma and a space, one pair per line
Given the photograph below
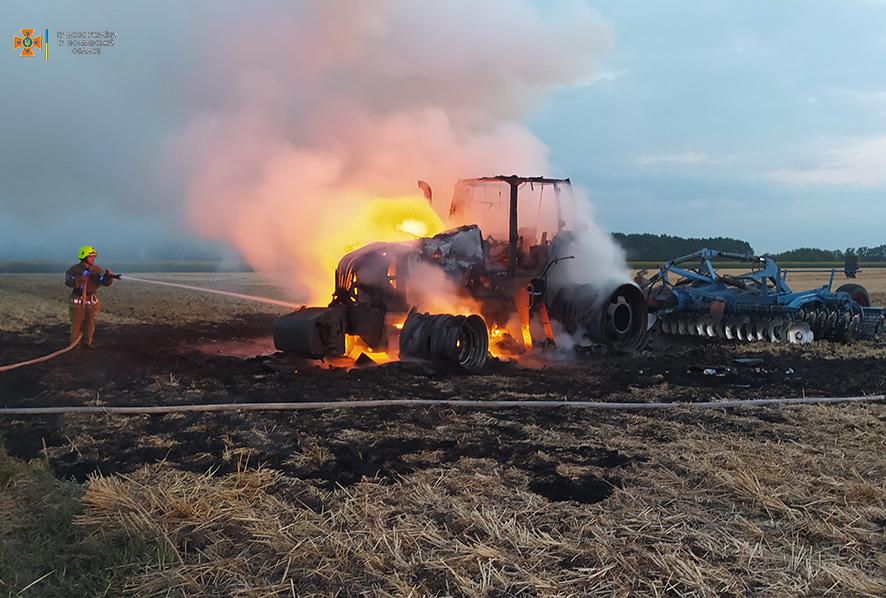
689, 297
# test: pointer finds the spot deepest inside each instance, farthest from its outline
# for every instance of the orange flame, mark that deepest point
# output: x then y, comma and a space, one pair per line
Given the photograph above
382, 219
354, 346
404, 219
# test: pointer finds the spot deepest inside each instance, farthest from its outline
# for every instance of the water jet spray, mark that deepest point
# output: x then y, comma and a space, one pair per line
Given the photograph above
244, 297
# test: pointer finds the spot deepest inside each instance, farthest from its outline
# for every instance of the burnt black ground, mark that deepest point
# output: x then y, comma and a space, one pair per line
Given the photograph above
154, 364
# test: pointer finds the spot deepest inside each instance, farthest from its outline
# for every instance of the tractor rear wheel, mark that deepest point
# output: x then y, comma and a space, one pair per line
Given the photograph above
858, 293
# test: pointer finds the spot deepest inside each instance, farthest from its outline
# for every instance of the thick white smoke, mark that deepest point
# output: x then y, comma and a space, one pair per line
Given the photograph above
333, 104
594, 257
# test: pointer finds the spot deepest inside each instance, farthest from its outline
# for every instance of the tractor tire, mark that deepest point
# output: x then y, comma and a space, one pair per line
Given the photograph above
858, 293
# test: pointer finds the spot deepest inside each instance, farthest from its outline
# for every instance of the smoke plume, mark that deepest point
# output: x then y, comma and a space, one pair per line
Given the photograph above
591, 256
336, 104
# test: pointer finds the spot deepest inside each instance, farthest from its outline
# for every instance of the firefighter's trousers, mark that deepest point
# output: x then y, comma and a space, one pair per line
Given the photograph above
83, 319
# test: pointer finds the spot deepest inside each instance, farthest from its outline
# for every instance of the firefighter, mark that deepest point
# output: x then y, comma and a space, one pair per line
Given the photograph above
85, 278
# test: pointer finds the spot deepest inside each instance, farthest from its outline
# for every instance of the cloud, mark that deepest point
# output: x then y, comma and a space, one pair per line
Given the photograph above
685, 158
850, 162
601, 77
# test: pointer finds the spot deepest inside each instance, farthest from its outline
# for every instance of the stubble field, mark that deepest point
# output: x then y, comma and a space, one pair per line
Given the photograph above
768, 501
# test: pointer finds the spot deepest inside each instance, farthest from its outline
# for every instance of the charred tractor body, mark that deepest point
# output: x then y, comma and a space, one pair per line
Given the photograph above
757, 305
498, 265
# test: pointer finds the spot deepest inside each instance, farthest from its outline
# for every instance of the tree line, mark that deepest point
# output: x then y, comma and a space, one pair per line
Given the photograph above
813, 254
660, 248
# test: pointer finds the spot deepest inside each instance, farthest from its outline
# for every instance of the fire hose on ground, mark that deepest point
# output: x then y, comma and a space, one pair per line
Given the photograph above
12, 366
475, 404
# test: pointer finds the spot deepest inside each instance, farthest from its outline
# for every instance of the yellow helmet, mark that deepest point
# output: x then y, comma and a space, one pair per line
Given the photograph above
86, 251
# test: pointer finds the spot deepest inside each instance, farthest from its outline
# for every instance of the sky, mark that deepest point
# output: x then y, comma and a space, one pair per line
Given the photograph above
759, 120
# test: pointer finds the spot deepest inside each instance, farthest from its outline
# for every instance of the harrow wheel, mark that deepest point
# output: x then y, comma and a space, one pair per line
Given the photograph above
858, 293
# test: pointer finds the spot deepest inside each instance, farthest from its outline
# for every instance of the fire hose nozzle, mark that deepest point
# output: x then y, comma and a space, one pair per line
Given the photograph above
103, 275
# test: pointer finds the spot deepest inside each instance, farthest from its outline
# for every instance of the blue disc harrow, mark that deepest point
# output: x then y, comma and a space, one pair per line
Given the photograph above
689, 297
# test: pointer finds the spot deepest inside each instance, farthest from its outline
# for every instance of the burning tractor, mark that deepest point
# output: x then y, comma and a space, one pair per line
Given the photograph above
757, 305
503, 277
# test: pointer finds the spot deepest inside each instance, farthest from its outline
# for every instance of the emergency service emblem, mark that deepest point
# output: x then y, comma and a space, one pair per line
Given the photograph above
27, 42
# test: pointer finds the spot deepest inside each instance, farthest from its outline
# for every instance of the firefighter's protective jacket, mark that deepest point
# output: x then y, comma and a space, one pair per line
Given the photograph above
92, 277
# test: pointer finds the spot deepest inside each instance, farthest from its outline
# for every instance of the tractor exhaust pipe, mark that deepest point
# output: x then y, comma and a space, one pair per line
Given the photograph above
616, 319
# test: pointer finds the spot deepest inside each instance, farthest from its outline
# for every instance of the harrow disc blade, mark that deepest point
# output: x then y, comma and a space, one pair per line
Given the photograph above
841, 327
785, 327
683, 326
730, 330
852, 329
710, 327
705, 327
776, 330
811, 317
744, 330
673, 325
751, 330
855, 324
700, 327
800, 333
828, 328
762, 330
753, 324
816, 322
